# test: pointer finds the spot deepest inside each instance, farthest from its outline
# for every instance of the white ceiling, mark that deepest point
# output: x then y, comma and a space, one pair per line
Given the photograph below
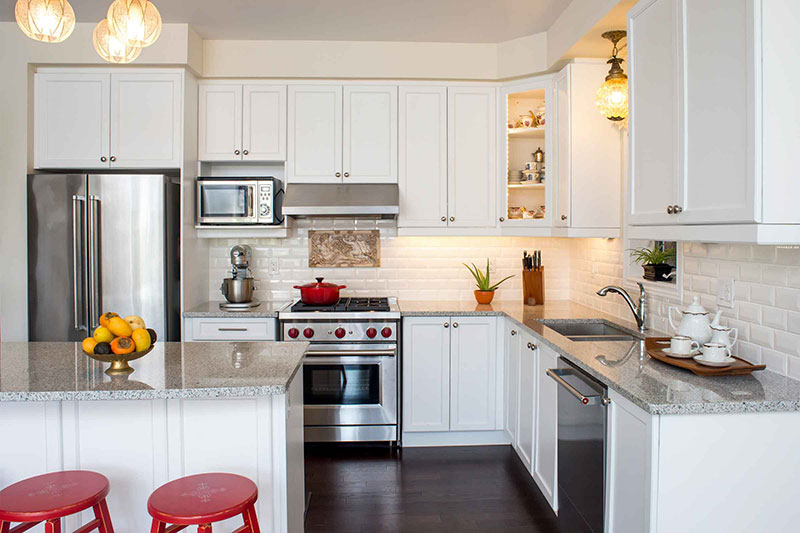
463, 21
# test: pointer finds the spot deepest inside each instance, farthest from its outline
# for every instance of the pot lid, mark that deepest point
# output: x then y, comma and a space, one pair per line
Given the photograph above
319, 285
695, 308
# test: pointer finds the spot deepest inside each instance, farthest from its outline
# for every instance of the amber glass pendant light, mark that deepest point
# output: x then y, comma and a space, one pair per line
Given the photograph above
612, 96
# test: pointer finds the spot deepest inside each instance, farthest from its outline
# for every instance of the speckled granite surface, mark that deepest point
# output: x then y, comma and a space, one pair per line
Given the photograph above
625, 367
212, 310
40, 371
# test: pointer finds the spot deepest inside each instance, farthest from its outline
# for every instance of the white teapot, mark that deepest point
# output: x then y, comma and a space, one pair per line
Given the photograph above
694, 322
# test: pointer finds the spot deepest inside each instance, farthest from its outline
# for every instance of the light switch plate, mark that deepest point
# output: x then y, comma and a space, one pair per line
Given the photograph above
492, 267
274, 266
594, 269
725, 292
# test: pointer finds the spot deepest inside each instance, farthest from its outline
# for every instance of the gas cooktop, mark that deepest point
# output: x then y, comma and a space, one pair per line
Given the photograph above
345, 309
351, 305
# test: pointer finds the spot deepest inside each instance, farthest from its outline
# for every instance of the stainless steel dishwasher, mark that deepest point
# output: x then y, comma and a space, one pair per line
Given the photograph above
582, 418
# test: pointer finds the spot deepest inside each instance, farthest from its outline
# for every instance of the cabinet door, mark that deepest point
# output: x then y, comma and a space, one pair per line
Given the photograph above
220, 123
527, 400
511, 381
426, 374
720, 118
315, 134
264, 122
369, 150
423, 157
473, 360
562, 216
71, 120
146, 116
545, 455
471, 140
655, 110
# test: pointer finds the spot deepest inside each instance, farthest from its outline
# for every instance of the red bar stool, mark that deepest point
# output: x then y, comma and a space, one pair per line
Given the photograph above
202, 499
50, 497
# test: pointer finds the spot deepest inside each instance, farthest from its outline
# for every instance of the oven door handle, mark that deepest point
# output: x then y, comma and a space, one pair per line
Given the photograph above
311, 360
352, 353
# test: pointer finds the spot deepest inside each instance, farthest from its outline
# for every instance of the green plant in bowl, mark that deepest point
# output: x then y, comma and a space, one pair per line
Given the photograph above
485, 292
654, 261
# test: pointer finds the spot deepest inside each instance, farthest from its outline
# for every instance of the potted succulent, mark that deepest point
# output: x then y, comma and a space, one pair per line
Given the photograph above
654, 261
485, 291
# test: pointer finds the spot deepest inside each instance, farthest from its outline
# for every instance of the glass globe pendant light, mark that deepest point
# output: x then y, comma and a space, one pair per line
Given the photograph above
48, 21
110, 48
612, 96
136, 22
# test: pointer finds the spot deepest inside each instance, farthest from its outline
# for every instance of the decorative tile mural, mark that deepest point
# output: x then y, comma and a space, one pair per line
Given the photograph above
344, 248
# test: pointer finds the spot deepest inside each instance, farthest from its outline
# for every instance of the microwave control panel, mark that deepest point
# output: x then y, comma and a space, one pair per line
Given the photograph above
265, 196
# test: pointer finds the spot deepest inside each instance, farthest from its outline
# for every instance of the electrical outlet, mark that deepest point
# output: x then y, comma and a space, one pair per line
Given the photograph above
725, 292
274, 266
594, 269
492, 267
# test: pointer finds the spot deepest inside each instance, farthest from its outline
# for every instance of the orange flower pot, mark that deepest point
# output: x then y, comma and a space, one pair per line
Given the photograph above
484, 297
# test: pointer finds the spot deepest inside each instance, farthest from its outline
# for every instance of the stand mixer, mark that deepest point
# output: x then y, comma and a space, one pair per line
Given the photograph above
238, 289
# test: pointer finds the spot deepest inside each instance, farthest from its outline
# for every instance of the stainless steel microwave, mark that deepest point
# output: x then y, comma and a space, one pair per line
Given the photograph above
239, 201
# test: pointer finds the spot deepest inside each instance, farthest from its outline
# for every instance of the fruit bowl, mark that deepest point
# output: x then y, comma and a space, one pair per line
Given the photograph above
119, 362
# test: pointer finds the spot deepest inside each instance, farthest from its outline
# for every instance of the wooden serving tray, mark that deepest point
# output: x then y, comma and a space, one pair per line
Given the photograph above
654, 346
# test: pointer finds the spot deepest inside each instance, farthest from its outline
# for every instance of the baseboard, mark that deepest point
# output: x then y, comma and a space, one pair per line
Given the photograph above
455, 438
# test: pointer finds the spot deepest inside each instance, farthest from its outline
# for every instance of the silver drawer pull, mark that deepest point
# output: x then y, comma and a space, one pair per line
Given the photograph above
231, 329
556, 374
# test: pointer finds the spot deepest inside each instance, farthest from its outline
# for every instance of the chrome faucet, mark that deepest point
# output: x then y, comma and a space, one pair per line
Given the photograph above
640, 312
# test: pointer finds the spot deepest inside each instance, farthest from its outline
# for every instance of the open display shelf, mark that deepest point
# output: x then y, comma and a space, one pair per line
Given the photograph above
522, 143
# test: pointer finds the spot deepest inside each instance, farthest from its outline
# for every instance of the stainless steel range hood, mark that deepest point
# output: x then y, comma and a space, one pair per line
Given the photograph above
380, 200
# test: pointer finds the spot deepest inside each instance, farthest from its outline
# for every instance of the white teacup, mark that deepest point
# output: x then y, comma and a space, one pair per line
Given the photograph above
682, 345
715, 351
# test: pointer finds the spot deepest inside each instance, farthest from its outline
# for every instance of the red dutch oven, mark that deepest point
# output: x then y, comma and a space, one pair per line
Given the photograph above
319, 293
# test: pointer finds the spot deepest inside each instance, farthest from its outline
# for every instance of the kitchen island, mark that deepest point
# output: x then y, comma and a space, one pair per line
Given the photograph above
187, 408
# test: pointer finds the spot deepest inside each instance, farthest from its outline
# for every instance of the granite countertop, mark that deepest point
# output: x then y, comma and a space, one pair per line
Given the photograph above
654, 386
212, 310
40, 371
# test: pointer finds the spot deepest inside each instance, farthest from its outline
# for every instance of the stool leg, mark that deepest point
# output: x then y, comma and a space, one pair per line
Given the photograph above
102, 514
204, 528
250, 519
158, 526
53, 526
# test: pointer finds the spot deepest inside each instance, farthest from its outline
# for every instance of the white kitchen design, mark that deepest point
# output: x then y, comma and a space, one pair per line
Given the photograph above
524, 266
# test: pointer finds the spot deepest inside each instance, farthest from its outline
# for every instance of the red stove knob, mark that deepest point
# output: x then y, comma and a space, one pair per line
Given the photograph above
293, 332
308, 333
339, 333
371, 332
386, 332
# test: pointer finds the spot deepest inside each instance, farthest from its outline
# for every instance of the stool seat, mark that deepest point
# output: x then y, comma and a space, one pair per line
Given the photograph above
202, 499
52, 495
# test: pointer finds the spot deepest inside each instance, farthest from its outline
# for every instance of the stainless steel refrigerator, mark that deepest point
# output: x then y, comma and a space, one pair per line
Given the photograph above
102, 242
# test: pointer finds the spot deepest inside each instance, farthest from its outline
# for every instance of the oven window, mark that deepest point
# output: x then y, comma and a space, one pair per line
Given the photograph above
341, 384
224, 200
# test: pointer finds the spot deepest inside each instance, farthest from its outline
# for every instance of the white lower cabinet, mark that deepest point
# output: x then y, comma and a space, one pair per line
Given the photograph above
511, 343
526, 427
450, 374
545, 453
229, 329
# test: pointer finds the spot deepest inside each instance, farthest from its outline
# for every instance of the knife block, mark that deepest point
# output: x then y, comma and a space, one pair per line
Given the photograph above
533, 287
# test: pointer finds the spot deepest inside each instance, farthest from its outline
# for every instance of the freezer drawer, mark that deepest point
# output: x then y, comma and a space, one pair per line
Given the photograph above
222, 329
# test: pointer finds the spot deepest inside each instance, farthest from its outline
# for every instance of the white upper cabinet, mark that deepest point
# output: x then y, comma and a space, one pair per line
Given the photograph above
369, 152
426, 374
588, 158
423, 157
471, 156
101, 120
72, 120
264, 122
242, 122
342, 134
473, 364
146, 116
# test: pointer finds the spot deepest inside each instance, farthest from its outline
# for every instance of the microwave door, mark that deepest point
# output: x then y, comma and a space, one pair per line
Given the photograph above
226, 202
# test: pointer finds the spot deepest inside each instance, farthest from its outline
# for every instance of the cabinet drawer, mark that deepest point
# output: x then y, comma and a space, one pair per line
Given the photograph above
221, 329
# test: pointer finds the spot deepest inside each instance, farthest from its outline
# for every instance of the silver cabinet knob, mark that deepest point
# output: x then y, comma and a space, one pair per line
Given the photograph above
533, 346
346, 174
513, 332
113, 158
444, 219
447, 324
529, 345
502, 219
563, 217
103, 159
245, 152
338, 174
677, 209
452, 219
236, 152
670, 209
455, 324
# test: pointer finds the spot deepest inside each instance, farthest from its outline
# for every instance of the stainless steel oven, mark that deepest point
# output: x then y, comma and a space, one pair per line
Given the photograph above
239, 201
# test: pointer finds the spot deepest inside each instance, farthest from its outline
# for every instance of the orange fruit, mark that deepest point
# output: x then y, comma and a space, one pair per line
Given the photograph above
88, 344
122, 345
102, 334
119, 327
105, 317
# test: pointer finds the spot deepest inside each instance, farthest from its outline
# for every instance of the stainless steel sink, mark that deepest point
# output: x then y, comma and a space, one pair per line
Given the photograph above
580, 331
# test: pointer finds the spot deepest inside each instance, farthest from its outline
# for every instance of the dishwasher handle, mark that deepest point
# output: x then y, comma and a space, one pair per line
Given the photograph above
594, 399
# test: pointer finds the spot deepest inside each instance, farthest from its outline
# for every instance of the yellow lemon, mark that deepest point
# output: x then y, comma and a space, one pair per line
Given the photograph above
102, 334
142, 339
88, 344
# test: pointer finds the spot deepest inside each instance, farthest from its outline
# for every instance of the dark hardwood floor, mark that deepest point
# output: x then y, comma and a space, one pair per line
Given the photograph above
373, 489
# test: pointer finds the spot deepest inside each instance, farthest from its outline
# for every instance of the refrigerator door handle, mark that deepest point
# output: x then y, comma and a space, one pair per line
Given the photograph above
77, 265
94, 261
